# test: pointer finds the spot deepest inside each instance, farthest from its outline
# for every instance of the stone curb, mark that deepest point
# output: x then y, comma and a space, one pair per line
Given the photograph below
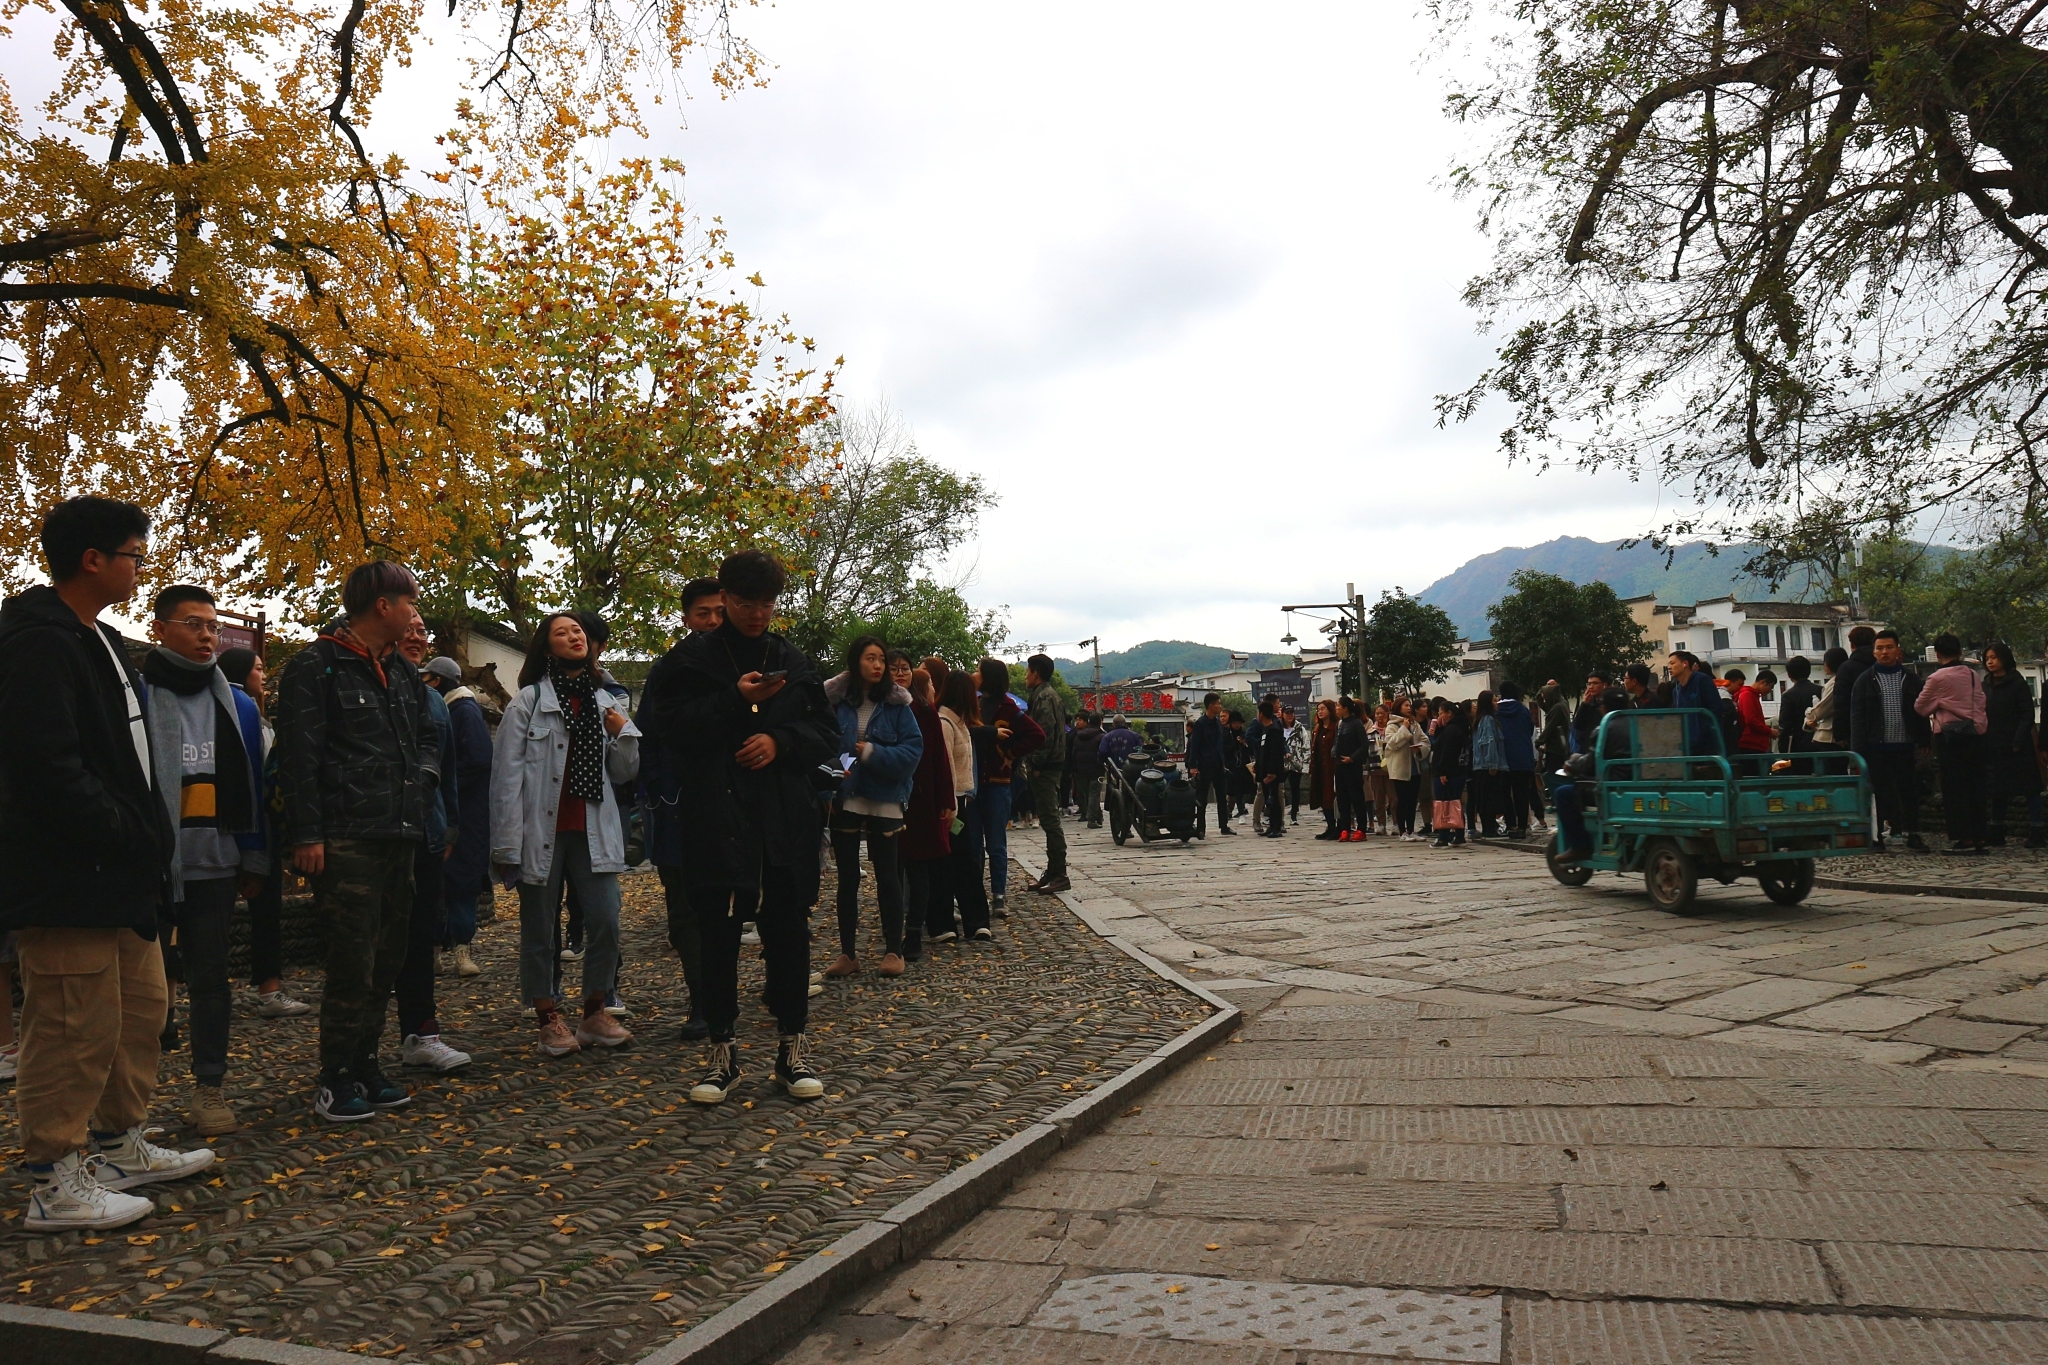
1967, 893
776, 1311
48, 1334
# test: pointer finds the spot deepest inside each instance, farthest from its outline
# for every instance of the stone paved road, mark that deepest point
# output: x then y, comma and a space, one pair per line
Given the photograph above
1478, 1116
582, 1210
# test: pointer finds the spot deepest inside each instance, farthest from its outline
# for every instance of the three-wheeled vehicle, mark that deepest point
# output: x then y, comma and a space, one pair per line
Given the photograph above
1666, 799
1149, 795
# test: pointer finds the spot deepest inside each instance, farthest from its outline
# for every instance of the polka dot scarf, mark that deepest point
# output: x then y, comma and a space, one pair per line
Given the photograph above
578, 698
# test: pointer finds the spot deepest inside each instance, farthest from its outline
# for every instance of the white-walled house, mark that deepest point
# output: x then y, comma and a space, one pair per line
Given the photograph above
1724, 631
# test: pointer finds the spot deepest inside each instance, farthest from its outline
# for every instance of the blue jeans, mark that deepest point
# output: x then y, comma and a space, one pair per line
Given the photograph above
598, 893
992, 809
461, 920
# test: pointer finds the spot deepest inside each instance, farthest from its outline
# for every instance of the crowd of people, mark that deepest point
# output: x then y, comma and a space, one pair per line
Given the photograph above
142, 804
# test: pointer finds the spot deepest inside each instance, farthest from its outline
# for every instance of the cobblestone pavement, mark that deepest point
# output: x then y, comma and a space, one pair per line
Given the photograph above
558, 1212
1480, 1116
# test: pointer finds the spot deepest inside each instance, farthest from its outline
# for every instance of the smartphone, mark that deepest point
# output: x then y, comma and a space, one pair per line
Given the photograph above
777, 676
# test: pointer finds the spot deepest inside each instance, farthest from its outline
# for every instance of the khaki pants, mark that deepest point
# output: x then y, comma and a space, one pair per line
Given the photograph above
93, 1006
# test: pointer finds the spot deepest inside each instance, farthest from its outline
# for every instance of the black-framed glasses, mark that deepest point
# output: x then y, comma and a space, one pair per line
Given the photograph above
138, 556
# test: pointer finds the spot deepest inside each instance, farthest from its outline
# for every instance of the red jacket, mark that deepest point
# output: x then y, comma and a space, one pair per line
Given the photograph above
1756, 731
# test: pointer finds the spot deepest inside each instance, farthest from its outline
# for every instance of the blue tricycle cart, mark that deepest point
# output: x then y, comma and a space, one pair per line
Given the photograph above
1666, 799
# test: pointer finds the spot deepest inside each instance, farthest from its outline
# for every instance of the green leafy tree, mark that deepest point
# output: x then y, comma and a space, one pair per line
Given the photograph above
1757, 246
882, 518
1550, 627
1407, 642
932, 619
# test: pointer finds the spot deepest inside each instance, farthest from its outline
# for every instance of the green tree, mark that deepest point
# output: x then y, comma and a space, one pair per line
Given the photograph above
882, 517
1407, 642
931, 619
1550, 627
1757, 246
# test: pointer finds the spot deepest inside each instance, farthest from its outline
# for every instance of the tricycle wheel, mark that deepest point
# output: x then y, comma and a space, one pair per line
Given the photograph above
1567, 874
1670, 877
1786, 883
1119, 826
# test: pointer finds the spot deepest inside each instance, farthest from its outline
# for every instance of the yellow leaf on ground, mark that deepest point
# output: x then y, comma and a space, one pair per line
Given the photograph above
662, 1297
773, 1266
392, 1251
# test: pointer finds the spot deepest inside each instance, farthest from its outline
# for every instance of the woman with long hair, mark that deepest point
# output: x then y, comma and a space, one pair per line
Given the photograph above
880, 745
1379, 792
927, 829
1012, 735
1322, 767
1449, 765
967, 743
555, 819
1352, 750
1489, 769
2011, 745
1400, 752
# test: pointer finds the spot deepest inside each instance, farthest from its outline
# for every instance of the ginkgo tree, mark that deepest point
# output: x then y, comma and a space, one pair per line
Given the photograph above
655, 420
219, 299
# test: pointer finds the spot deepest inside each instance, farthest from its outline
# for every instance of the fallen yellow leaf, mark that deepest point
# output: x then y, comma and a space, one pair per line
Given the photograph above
773, 1266
1176, 1288
1212, 1246
392, 1251
662, 1296
656, 1227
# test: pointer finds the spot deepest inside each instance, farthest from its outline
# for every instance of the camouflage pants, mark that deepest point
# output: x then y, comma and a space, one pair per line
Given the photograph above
365, 901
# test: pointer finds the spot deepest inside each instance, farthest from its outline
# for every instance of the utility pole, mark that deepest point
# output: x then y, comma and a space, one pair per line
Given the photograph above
1353, 609
1095, 643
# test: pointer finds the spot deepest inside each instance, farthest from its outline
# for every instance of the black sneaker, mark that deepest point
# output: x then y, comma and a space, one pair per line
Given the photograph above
379, 1090
724, 1074
696, 1029
338, 1099
794, 1071
913, 948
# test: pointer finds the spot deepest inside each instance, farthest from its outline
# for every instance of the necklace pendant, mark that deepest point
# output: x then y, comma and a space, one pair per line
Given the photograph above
755, 707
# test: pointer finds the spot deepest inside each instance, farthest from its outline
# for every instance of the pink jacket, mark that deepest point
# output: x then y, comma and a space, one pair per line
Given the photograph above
1952, 693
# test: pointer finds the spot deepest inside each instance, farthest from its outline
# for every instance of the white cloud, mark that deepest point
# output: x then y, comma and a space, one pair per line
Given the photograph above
1179, 279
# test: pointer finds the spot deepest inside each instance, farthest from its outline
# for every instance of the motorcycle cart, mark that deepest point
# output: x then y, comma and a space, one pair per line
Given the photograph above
1665, 799
1150, 796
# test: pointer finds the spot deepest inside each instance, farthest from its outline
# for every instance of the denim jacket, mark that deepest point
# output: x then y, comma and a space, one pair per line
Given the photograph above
531, 755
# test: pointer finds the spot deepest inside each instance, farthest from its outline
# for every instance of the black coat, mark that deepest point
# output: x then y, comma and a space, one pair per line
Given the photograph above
1867, 730
1792, 709
730, 821
1450, 750
1270, 757
1209, 745
358, 752
87, 844
2009, 742
466, 868
1084, 752
1858, 663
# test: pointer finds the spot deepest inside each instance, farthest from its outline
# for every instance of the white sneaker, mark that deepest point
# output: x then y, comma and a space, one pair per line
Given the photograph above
277, 1005
465, 965
10, 1061
431, 1053
751, 936
817, 988
132, 1159
572, 954
70, 1195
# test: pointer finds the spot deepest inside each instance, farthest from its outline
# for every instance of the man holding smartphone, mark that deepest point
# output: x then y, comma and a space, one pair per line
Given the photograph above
740, 716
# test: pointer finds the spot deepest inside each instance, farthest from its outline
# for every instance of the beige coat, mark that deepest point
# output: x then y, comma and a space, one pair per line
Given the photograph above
1400, 748
959, 749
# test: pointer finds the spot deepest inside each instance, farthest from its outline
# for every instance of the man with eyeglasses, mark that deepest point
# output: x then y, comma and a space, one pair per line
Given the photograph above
86, 842
209, 734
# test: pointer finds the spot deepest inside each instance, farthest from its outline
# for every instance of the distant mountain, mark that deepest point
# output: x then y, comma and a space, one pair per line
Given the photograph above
1161, 656
1695, 574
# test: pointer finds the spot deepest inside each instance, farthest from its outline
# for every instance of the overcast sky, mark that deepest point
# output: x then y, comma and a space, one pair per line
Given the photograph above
1178, 279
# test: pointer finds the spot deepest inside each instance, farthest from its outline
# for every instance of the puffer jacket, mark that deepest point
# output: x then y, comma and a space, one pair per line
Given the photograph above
531, 757
889, 770
87, 844
358, 753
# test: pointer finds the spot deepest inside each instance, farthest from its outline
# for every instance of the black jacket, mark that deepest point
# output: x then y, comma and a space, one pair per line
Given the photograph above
1867, 720
1858, 663
86, 843
1792, 708
1450, 750
2009, 742
359, 754
730, 821
1084, 751
1353, 743
1209, 745
1270, 751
